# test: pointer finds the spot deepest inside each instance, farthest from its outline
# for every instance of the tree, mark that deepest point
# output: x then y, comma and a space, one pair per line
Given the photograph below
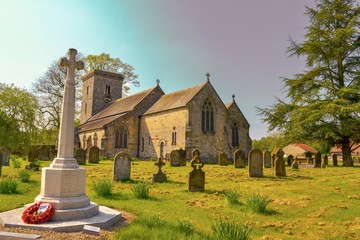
49, 89
17, 117
106, 63
271, 142
323, 102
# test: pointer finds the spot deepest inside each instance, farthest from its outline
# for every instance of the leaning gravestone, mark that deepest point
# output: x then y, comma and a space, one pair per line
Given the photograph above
334, 159
255, 163
280, 164
81, 156
5, 156
223, 161
159, 176
239, 159
318, 160
122, 166
195, 152
94, 154
182, 157
175, 158
267, 159
196, 176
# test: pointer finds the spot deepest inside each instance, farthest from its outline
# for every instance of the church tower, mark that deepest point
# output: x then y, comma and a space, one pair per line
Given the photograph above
99, 88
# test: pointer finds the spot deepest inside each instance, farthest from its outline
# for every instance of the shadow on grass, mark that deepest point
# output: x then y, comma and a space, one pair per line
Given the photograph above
117, 196
172, 181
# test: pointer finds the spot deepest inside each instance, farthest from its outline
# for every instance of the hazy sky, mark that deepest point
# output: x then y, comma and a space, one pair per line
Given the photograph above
241, 43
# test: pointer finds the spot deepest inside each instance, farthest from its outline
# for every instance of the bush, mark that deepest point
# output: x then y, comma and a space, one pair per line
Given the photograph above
24, 175
16, 163
141, 190
103, 188
232, 196
230, 231
257, 203
8, 186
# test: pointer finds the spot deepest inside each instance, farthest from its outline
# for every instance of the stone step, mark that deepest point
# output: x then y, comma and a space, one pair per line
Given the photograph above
17, 236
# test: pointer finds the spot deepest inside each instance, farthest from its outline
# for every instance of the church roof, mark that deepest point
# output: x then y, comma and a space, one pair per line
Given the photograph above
175, 100
122, 105
98, 123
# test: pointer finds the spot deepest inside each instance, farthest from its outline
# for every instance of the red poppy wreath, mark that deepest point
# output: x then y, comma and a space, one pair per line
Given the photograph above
38, 213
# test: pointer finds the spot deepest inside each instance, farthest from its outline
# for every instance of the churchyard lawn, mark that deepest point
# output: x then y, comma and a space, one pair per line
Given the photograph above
312, 203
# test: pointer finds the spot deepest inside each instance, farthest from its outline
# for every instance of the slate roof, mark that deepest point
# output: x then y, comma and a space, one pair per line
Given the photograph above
114, 110
175, 100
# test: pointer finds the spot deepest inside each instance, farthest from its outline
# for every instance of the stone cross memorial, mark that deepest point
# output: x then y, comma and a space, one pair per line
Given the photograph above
122, 166
196, 176
255, 163
159, 176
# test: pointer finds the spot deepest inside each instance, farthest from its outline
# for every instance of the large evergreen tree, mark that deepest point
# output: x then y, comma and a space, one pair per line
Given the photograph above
323, 102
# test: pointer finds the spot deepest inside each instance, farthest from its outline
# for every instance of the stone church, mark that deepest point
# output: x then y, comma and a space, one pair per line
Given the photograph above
151, 124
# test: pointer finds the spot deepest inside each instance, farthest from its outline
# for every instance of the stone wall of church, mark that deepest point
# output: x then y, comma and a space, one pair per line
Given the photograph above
234, 114
159, 127
211, 143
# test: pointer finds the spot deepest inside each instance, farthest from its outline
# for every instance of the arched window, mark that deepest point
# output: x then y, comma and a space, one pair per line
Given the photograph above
121, 137
235, 135
207, 116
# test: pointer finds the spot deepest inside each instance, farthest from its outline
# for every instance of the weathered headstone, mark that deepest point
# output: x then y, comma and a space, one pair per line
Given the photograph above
326, 159
159, 176
334, 159
175, 158
318, 160
81, 156
94, 154
267, 159
239, 159
122, 166
44, 152
295, 164
280, 164
223, 161
33, 154
182, 157
255, 163
5, 156
194, 153
196, 176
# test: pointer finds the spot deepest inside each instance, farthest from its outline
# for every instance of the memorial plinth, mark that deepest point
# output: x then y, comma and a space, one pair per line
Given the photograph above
63, 183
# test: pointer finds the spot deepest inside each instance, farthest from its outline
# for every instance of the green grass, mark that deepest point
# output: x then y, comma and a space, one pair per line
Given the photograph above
8, 186
141, 190
307, 204
24, 175
230, 231
257, 203
103, 188
232, 196
15, 162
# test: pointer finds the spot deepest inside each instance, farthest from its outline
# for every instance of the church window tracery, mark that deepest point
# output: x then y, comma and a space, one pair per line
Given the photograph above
207, 116
121, 137
235, 134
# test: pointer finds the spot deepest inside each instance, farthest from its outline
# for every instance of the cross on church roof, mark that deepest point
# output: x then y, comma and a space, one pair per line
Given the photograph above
208, 77
233, 97
157, 82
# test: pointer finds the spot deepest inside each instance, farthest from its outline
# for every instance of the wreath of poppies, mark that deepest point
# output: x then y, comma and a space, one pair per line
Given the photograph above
38, 213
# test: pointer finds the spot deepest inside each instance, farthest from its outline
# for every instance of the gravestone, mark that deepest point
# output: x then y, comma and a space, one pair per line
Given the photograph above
267, 159
290, 159
295, 164
159, 176
334, 159
94, 154
182, 157
194, 153
255, 163
280, 164
196, 176
44, 153
318, 160
122, 166
81, 156
5, 156
175, 158
223, 161
239, 159
33, 154
326, 159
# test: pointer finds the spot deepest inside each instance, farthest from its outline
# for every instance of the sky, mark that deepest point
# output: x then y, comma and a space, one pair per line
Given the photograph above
241, 43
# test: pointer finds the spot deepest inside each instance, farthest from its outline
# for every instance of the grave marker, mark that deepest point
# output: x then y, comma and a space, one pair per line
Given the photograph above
196, 176
5, 156
81, 156
175, 158
94, 154
223, 161
280, 164
159, 176
239, 159
122, 166
255, 163
267, 159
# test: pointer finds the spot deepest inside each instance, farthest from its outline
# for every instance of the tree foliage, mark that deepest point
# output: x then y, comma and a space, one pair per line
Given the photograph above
323, 102
17, 117
106, 63
271, 142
